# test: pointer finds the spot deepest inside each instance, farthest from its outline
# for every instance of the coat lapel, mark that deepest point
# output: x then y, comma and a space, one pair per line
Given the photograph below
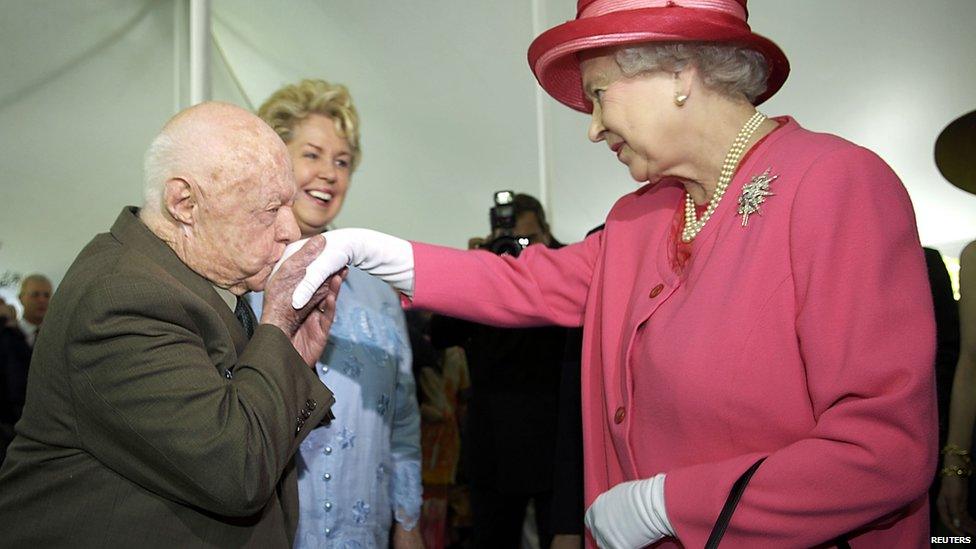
132, 232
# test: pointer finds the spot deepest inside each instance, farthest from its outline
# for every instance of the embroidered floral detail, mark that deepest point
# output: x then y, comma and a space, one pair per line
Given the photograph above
381, 471
346, 438
351, 366
360, 511
382, 404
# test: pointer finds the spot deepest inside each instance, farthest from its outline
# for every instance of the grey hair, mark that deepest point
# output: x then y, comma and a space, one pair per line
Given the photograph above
156, 169
728, 69
172, 152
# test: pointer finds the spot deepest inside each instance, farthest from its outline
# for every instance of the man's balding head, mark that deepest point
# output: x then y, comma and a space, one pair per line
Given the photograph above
218, 190
212, 143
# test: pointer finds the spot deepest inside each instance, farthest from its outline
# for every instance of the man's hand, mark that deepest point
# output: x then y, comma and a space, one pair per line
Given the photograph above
308, 327
477, 242
407, 539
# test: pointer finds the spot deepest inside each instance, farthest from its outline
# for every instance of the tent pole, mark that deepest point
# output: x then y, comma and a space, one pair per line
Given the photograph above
199, 51
179, 52
541, 124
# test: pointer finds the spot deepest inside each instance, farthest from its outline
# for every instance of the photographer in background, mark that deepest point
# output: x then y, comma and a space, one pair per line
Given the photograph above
513, 411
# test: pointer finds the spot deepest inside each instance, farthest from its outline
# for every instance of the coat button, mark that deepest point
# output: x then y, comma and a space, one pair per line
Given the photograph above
311, 404
228, 374
620, 415
655, 291
306, 414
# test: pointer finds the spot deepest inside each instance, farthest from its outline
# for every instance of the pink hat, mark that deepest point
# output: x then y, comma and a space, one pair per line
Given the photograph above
602, 23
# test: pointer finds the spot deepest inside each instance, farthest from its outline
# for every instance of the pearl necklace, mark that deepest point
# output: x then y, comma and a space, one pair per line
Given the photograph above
692, 225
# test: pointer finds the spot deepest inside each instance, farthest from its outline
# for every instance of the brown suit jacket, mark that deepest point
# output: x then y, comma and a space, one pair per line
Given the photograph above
150, 420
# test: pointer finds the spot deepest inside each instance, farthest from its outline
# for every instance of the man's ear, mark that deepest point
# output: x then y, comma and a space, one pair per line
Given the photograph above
179, 200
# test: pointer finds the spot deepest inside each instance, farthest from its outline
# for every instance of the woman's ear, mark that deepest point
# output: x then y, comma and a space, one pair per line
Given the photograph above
683, 80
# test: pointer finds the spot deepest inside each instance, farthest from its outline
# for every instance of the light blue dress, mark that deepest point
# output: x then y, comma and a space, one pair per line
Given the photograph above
363, 469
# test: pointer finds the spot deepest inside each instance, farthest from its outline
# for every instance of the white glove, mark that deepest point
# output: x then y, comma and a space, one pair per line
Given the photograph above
630, 515
386, 257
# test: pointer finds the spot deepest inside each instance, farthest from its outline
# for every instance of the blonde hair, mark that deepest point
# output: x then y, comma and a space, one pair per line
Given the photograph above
292, 104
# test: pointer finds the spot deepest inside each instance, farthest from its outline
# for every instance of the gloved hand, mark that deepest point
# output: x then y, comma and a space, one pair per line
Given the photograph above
386, 257
630, 515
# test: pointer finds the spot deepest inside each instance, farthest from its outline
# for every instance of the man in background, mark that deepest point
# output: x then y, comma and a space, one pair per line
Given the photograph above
35, 292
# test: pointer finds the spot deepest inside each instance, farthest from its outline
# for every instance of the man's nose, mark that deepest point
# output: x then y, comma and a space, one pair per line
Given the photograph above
288, 230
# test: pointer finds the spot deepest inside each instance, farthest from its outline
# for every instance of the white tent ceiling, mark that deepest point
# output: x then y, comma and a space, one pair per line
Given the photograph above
449, 107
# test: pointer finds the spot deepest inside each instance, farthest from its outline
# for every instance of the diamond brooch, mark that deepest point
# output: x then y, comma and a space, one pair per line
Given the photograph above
753, 195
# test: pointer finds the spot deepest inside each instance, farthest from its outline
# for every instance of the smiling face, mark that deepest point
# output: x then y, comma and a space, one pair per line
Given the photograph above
634, 115
322, 162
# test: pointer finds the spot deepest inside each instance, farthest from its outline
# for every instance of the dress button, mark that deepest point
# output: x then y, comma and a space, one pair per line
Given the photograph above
325, 369
328, 506
327, 476
327, 450
655, 291
619, 416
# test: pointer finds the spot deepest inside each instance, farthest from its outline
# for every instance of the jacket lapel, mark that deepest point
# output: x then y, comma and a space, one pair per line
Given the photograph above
132, 232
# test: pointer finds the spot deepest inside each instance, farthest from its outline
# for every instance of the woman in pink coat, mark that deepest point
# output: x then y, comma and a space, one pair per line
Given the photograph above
758, 327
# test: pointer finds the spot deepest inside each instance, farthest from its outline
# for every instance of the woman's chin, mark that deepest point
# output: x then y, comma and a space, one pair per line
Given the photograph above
639, 176
312, 227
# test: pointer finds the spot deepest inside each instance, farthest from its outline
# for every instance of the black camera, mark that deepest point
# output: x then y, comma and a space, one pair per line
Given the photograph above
502, 217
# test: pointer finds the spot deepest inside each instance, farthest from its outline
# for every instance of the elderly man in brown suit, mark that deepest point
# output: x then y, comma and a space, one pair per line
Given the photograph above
154, 418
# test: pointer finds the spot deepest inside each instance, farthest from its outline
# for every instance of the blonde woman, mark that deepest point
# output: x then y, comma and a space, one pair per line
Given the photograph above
359, 474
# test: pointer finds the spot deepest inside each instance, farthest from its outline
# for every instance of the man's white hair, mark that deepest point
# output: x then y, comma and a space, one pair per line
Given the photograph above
157, 168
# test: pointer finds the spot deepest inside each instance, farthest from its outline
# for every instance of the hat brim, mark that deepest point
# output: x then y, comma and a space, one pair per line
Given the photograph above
552, 55
955, 152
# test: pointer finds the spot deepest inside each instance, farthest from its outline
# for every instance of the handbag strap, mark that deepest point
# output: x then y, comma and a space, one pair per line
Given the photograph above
732, 501
730, 504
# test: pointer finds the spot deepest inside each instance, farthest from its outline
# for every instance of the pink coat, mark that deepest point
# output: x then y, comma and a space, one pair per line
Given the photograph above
806, 337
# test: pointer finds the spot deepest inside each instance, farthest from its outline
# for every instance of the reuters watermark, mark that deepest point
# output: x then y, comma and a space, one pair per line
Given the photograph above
950, 539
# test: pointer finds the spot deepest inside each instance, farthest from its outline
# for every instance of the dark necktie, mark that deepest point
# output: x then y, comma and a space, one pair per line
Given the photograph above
245, 316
